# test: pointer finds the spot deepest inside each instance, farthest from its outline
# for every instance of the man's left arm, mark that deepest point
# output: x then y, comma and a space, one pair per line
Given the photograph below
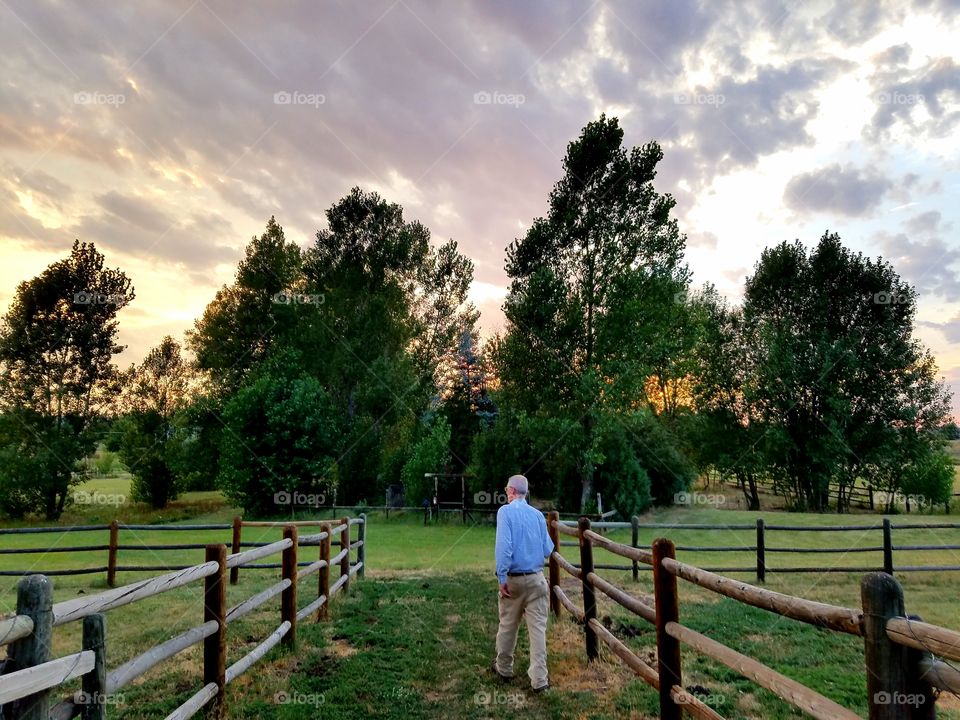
545, 539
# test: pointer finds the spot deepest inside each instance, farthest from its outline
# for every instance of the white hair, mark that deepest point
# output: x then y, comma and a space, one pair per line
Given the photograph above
519, 484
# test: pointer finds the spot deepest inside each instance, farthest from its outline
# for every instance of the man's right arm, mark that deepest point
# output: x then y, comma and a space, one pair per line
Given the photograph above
503, 551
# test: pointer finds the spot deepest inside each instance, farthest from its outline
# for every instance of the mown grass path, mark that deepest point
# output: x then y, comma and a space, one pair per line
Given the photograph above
419, 647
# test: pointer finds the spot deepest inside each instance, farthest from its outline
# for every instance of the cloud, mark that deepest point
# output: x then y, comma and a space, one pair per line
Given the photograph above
924, 264
131, 225
950, 328
843, 190
899, 94
198, 155
924, 223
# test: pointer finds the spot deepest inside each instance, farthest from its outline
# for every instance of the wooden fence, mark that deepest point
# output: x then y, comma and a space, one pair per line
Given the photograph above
761, 549
907, 661
114, 545
863, 495
30, 675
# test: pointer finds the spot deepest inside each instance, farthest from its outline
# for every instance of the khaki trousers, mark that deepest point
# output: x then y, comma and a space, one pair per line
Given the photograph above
530, 599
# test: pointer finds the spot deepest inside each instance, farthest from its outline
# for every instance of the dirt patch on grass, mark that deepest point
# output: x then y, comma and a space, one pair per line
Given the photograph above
569, 669
340, 648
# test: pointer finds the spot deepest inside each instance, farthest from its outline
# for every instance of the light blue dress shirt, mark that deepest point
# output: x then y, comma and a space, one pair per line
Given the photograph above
522, 539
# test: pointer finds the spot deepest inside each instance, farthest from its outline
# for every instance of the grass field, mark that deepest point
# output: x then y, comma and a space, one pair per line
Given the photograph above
414, 639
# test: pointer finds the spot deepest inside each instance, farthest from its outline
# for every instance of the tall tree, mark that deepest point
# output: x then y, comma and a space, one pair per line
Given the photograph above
154, 392
592, 283
726, 427
465, 398
238, 328
394, 308
56, 345
841, 384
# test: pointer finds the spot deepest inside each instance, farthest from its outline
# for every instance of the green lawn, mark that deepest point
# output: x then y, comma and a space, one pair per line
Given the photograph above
415, 637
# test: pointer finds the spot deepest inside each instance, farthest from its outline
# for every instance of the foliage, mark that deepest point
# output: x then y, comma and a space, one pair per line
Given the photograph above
56, 345
238, 328
930, 479
104, 462
465, 398
840, 386
430, 455
590, 310
281, 435
726, 429
154, 392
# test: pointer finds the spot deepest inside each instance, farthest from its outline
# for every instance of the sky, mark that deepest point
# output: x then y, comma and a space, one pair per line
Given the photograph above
169, 132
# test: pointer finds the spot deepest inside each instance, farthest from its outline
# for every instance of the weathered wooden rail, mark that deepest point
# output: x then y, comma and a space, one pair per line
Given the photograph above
114, 546
761, 550
29, 675
907, 661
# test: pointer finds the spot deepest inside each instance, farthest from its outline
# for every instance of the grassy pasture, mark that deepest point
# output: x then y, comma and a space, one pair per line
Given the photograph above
414, 639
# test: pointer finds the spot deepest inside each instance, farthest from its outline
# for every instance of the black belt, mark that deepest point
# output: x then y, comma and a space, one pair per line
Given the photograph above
515, 574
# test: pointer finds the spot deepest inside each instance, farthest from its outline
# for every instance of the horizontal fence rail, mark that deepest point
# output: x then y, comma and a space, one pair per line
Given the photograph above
30, 675
904, 657
760, 551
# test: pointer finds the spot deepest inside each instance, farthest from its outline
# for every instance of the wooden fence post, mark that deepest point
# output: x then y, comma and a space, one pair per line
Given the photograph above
288, 599
112, 554
634, 543
761, 553
323, 612
891, 681
668, 610
345, 561
35, 600
887, 547
237, 531
362, 550
589, 598
215, 646
94, 683
554, 517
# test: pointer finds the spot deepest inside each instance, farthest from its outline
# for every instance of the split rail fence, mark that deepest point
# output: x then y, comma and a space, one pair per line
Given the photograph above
761, 548
29, 675
907, 661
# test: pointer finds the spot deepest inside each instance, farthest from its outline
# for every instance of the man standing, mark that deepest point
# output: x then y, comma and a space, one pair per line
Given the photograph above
522, 545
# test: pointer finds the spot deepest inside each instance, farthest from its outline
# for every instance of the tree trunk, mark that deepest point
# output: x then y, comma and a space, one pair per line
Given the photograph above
586, 468
753, 497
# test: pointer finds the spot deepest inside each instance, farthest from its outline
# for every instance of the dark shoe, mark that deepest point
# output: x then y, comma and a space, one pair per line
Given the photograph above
503, 678
541, 689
